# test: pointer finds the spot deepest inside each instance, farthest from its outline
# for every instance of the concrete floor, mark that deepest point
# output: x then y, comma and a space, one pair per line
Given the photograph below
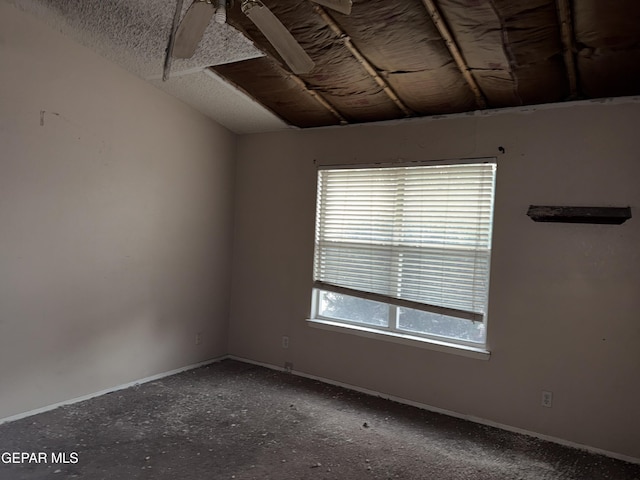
232, 420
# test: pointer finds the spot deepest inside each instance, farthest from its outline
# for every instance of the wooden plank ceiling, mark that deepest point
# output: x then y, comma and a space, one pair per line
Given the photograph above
393, 59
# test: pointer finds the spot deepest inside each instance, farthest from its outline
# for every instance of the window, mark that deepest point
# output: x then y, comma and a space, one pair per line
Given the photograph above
405, 250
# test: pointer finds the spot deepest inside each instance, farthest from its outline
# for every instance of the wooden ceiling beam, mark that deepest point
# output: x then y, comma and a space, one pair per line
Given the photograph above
312, 93
568, 45
297, 80
317, 97
442, 27
370, 69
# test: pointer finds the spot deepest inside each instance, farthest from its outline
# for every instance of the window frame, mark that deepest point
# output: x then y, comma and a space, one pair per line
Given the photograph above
392, 331
392, 324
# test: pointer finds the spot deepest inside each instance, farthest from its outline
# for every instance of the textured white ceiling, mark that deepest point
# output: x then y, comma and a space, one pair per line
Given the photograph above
135, 33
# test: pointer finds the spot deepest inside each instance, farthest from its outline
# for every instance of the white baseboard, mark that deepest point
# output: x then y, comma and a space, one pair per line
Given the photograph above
404, 401
22, 415
450, 413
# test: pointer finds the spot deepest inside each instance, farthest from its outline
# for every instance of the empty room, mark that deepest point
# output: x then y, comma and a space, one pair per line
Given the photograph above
326, 239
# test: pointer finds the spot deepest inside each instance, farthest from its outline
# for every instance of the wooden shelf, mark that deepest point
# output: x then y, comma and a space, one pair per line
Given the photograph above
596, 215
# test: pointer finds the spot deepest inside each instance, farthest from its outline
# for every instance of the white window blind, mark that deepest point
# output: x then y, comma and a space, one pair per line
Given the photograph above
417, 237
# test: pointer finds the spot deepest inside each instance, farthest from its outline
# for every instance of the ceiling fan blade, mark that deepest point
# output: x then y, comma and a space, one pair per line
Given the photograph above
192, 28
172, 41
278, 35
342, 6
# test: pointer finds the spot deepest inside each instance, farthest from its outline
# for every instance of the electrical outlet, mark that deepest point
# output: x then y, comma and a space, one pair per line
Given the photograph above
547, 399
198, 338
285, 342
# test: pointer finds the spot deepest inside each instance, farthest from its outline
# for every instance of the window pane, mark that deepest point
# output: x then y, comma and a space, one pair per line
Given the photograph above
345, 307
436, 324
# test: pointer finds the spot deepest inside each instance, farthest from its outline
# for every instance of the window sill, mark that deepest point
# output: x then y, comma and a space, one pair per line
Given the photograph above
404, 339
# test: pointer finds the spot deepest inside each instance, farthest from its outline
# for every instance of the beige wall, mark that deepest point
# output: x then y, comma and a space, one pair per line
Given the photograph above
115, 241
564, 302
115, 221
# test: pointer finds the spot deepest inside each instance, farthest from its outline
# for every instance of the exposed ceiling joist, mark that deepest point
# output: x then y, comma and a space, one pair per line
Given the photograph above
319, 98
441, 25
385, 60
568, 46
370, 69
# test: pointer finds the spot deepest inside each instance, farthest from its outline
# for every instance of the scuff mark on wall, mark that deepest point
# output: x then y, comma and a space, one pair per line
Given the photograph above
42, 114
